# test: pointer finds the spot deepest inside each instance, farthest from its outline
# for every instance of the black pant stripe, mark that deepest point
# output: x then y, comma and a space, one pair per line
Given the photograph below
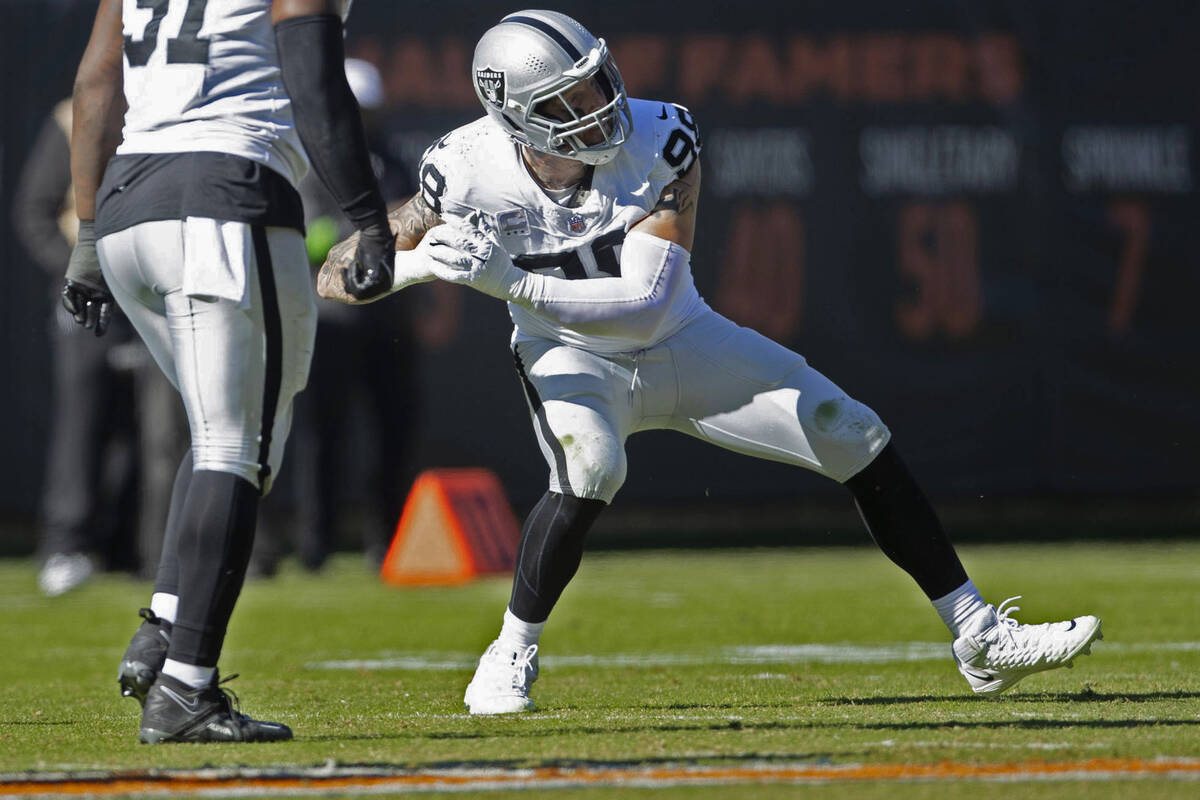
273, 331
539, 416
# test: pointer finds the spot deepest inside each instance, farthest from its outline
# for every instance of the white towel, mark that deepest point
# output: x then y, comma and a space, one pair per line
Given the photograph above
216, 257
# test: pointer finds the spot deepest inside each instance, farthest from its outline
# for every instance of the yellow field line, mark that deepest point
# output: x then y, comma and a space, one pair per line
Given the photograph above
482, 778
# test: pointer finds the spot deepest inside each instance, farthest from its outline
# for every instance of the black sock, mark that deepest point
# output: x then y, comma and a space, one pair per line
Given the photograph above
215, 539
904, 524
166, 580
550, 552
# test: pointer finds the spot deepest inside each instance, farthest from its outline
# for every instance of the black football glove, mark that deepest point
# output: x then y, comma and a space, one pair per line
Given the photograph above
371, 274
85, 294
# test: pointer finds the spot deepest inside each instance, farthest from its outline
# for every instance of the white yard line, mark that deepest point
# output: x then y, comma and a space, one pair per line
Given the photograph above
845, 653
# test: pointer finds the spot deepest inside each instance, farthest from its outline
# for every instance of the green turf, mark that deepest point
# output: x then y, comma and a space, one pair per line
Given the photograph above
59, 707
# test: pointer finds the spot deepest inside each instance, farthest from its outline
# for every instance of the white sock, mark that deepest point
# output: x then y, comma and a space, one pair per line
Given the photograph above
519, 634
959, 606
164, 605
194, 676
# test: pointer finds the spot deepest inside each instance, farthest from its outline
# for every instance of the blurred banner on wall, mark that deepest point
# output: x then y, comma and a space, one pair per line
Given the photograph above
980, 218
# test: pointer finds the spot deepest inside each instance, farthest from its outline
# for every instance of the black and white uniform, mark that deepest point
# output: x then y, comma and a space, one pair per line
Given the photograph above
692, 370
200, 226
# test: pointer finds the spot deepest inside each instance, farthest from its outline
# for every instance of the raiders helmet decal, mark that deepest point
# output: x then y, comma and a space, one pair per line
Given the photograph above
491, 85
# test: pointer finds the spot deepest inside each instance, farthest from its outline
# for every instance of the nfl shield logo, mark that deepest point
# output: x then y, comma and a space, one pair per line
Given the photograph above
576, 223
490, 84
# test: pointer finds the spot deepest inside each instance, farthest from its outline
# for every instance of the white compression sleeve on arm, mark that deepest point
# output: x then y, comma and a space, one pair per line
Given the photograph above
634, 305
411, 266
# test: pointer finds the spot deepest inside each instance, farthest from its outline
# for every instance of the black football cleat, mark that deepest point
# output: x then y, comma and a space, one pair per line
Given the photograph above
144, 657
175, 712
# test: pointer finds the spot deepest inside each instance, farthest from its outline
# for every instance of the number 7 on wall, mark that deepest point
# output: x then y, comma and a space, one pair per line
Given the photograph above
1132, 219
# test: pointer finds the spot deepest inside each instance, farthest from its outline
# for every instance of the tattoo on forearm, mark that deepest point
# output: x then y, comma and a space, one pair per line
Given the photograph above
409, 222
331, 280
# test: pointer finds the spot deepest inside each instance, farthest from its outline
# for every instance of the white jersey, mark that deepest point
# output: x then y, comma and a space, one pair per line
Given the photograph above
478, 167
203, 75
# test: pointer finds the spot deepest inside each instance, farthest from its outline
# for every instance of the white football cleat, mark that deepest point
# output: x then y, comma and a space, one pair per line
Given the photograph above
502, 680
996, 651
64, 572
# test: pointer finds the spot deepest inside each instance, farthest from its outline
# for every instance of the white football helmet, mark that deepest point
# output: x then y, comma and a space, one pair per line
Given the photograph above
532, 57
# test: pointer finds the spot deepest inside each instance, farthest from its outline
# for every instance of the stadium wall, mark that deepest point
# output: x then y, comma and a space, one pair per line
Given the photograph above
978, 217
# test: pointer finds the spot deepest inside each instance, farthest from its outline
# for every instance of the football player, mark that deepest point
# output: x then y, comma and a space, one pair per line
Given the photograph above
578, 206
194, 228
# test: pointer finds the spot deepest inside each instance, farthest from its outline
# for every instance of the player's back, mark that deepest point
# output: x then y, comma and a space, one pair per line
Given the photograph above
203, 75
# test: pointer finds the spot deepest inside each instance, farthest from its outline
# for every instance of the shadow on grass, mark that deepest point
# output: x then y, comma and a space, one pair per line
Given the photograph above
1021, 724
815, 758
1084, 696
526, 732
648, 727
715, 706
752, 727
531, 731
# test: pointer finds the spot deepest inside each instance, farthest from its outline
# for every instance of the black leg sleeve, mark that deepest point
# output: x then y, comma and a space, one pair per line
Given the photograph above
903, 523
167, 578
215, 539
550, 552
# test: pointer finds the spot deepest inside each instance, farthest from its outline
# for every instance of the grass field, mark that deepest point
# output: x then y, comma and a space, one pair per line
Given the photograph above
717, 659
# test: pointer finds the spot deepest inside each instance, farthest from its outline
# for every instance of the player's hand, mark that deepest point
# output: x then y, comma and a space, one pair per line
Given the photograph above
410, 267
467, 254
85, 294
370, 275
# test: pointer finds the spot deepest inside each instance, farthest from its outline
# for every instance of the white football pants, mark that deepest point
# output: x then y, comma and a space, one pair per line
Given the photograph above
713, 380
228, 312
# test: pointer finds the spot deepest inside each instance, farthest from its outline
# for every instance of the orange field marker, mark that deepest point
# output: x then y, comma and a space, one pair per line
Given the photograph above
456, 524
